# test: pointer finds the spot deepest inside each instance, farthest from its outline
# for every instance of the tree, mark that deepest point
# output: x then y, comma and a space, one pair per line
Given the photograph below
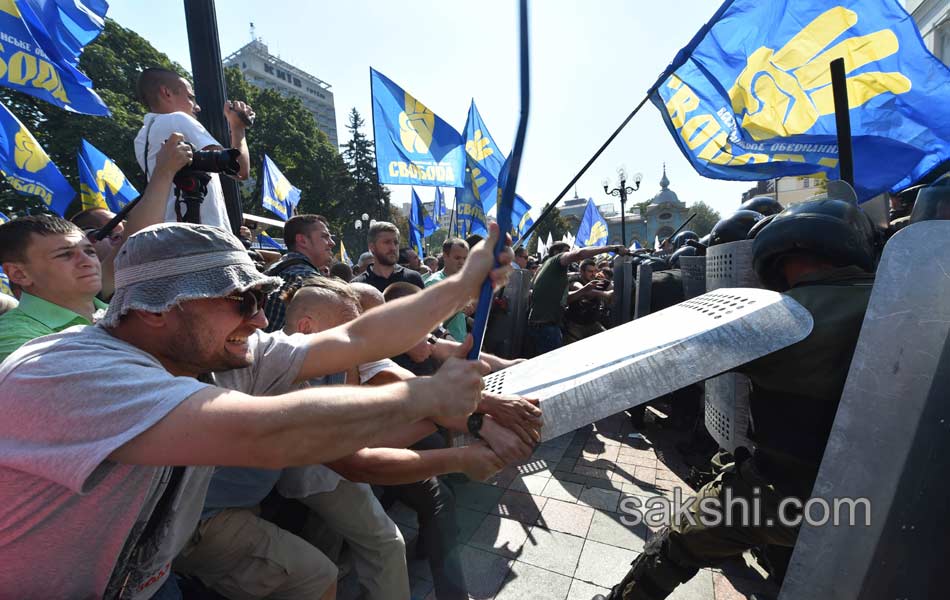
113, 62
553, 223
706, 218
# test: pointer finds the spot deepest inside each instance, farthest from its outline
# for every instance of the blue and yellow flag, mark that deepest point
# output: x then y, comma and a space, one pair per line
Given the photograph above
438, 205
27, 167
420, 224
266, 241
750, 97
469, 210
413, 145
520, 217
485, 159
278, 196
344, 257
593, 229
101, 183
39, 53
4, 280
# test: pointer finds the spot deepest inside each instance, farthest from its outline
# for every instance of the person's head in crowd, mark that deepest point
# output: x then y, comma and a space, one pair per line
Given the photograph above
532, 264
365, 260
310, 235
432, 263
342, 271
90, 221
370, 297
320, 303
558, 248
588, 270
384, 243
521, 257
408, 257
454, 253
7, 303
401, 289
608, 273
196, 314
51, 258
164, 91
473, 239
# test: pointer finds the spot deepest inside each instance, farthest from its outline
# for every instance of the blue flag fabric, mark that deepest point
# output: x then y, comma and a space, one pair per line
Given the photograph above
101, 182
278, 196
469, 210
593, 229
420, 224
520, 217
485, 159
266, 241
41, 46
27, 167
438, 204
750, 97
413, 145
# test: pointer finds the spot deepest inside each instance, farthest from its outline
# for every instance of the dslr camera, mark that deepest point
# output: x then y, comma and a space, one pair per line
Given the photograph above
191, 182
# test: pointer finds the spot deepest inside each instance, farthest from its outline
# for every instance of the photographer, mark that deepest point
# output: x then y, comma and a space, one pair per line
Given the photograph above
172, 107
585, 299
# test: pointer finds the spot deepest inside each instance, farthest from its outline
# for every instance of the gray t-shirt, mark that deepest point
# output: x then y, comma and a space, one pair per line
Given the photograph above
72, 523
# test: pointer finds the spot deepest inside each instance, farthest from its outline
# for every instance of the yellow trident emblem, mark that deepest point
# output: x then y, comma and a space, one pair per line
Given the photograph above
415, 126
28, 154
597, 232
785, 92
478, 148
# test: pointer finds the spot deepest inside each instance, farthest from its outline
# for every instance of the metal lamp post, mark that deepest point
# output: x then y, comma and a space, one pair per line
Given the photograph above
364, 222
622, 190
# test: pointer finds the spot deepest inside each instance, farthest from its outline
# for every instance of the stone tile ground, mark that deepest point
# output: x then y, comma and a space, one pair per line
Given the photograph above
549, 528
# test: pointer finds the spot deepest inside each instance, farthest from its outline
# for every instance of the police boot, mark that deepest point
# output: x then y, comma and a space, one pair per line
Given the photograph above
652, 575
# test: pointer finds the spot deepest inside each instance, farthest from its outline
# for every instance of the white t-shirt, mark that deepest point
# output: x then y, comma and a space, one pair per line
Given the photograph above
72, 523
159, 127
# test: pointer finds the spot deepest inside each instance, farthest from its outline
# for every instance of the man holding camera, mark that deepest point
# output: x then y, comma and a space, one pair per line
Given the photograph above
172, 108
587, 293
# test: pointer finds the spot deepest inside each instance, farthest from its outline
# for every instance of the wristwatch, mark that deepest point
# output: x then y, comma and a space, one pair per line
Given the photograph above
475, 421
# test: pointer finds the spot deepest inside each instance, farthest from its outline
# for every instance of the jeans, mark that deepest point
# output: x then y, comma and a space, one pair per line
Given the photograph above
546, 337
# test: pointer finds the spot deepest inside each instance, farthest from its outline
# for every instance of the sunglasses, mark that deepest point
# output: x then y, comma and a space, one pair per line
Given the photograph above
252, 302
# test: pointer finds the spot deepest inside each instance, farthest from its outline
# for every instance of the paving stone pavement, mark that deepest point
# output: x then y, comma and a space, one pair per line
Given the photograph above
549, 528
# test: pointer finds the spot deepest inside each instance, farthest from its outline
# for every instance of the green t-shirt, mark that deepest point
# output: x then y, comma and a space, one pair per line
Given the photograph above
35, 317
550, 292
456, 323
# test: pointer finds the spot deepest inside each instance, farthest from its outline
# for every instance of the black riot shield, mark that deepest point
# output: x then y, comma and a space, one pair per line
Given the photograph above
889, 446
508, 324
694, 276
726, 407
620, 309
644, 292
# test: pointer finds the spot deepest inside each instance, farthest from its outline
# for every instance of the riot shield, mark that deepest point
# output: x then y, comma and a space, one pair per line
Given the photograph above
646, 358
727, 396
644, 290
694, 275
508, 324
890, 440
623, 285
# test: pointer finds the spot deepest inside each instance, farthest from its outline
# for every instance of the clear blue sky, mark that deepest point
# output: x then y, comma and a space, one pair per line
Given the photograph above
591, 63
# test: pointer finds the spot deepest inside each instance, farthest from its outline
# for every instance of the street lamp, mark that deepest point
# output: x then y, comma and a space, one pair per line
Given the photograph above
359, 226
622, 191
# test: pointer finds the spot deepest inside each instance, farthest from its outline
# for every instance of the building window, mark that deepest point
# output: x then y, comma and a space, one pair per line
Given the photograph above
296, 82
269, 69
243, 65
806, 182
665, 216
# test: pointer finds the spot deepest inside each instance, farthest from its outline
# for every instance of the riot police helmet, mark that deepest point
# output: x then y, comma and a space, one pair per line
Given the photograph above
686, 250
933, 202
764, 205
734, 227
680, 238
831, 229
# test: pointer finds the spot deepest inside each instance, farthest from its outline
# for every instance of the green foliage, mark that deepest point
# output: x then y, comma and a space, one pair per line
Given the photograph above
553, 223
365, 194
706, 218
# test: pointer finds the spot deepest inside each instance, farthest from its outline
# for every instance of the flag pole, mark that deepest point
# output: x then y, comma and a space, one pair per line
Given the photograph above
585, 167
839, 90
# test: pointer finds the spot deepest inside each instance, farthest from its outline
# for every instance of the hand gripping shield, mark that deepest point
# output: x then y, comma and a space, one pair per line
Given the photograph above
646, 358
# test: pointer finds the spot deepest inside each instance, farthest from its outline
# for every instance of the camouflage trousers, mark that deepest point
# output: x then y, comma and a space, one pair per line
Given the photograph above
676, 553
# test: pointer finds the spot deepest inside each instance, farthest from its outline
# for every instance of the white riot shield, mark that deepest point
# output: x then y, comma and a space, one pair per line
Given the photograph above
620, 309
694, 275
507, 329
644, 291
891, 440
646, 358
726, 408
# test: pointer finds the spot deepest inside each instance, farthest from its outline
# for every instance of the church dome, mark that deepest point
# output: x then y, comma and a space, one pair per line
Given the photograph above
665, 195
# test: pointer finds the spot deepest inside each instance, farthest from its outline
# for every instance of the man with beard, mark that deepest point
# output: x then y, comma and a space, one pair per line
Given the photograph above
384, 245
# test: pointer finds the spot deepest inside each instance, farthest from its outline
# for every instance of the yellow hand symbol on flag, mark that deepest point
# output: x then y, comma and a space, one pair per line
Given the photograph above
785, 92
478, 148
281, 188
477, 182
28, 154
110, 176
91, 198
415, 126
597, 232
